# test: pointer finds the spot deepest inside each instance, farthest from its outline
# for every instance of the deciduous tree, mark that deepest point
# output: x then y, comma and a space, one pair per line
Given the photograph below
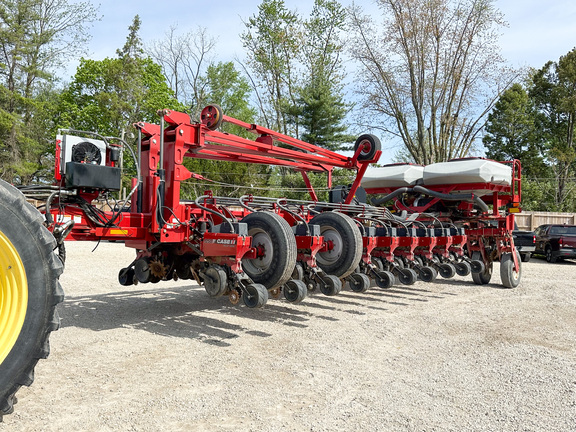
108, 96
430, 72
36, 38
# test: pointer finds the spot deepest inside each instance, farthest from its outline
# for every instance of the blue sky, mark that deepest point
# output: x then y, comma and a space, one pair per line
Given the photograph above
538, 30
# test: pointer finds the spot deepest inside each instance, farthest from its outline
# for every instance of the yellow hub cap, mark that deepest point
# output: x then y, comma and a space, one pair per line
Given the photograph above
13, 296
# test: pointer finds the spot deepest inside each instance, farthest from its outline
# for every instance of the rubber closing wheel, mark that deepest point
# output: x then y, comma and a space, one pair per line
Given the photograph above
359, 282
371, 144
428, 274
330, 285
525, 257
407, 276
385, 279
215, 281
483, 277
126, 277
276, 249
255, 296
510, 278
295, 291
477, 266
447, 270
29, 292
344, 244
212, 116
463, 268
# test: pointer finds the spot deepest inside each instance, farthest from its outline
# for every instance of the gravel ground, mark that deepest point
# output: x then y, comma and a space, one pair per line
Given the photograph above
443, 356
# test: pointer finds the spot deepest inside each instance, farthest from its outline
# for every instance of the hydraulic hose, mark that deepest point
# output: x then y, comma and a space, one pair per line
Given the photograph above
454, 197
391, 195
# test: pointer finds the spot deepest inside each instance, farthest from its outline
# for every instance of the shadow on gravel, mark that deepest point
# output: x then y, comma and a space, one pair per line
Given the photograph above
187, 312
176, 312
495, 284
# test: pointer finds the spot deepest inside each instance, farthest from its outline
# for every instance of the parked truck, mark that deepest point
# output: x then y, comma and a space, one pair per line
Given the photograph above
556, 241
525, 242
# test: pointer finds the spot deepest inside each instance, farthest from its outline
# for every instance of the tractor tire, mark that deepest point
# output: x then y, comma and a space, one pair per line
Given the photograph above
346, 252
29, 293
273, 235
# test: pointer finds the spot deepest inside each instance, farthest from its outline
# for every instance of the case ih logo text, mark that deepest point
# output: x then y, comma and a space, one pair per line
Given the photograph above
221, 241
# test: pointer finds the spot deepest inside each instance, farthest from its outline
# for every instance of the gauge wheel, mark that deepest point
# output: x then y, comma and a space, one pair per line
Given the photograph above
344, 241
510, 278
275, 249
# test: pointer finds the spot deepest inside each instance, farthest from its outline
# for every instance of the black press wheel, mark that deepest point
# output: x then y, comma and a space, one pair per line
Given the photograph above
276, 249
385, 279
407, 276
295, 291
483, 277
359, 282
345, 244
126, 276
447, 270
477, 266
330, 285
510, 278
428, 274
371, 144
29, 292
255, 296
463, 268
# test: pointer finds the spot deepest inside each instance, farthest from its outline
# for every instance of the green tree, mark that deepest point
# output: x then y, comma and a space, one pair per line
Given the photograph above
36, 37
321, 100
430, 72
226, 87
511, 133
553, 91
108, 96
272, 42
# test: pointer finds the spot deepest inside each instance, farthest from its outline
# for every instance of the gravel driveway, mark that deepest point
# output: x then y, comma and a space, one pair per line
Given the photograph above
442, 356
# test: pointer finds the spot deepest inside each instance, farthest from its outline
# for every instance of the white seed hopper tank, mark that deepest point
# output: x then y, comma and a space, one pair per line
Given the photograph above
468, 171
393, 176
